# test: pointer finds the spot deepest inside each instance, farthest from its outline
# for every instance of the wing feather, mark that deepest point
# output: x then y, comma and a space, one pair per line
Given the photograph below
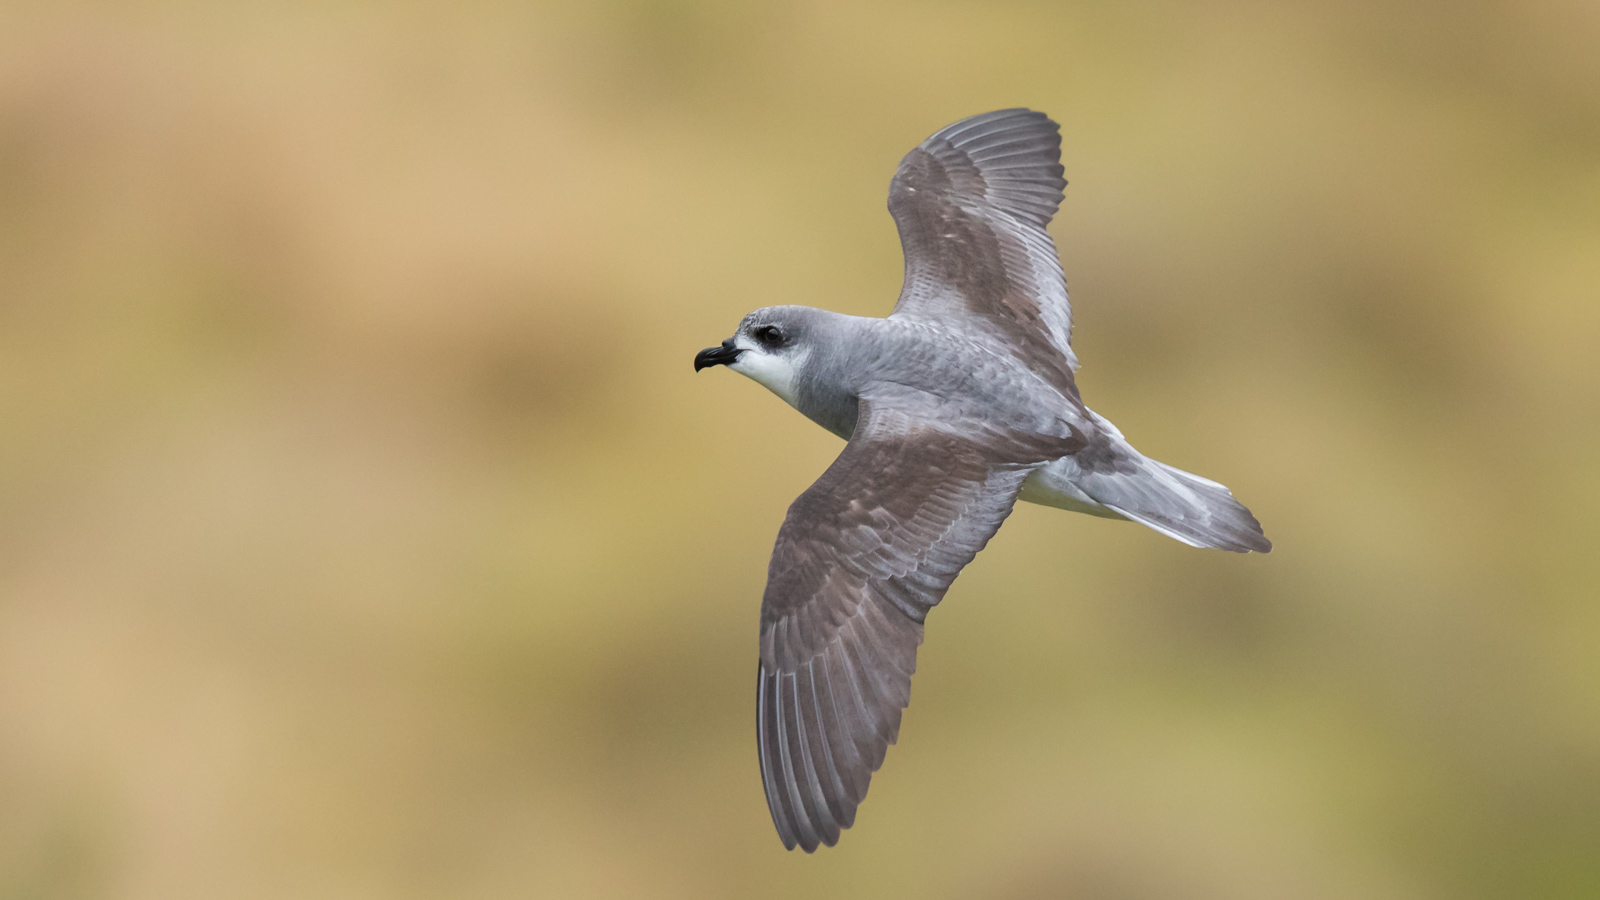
972, 204
861, 558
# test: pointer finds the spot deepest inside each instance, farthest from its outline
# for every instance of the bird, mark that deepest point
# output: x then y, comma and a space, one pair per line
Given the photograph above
959, 403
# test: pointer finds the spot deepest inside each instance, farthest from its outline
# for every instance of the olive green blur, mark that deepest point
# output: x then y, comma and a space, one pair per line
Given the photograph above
365, 531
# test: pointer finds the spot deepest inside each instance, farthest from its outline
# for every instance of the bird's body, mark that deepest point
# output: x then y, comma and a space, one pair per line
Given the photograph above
898, 360
957, 405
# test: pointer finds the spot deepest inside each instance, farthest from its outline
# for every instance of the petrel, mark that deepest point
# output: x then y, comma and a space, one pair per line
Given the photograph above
956, 406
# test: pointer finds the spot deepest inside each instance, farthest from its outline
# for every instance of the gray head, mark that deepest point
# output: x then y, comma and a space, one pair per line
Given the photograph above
771, 347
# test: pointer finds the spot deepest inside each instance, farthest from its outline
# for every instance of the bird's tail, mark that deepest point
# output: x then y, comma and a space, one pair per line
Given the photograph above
1180, 505
1111, 474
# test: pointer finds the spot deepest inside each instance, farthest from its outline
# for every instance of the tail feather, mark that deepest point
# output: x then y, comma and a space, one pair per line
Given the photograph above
1182, 506
1110, 477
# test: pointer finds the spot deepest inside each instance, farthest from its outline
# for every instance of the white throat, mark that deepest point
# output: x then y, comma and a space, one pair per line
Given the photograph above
777, 374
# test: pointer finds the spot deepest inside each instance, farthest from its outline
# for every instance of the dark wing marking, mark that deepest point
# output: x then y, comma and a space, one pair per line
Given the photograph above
972, 203
862, 556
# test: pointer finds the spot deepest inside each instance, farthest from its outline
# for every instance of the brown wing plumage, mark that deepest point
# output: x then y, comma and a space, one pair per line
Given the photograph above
971, 203
862, 556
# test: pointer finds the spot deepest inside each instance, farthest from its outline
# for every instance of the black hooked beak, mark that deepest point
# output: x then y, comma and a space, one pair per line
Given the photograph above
716, 356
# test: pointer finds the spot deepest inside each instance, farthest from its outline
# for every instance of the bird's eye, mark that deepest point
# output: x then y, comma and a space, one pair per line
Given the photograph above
769, 335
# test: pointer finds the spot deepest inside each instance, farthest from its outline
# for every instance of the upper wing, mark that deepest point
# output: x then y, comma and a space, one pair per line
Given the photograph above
862, 556
972, 203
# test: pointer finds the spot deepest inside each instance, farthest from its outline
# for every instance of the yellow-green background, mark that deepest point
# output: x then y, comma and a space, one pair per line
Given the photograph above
364, 532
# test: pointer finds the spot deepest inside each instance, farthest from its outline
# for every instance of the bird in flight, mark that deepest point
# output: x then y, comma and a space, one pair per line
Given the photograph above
956, 406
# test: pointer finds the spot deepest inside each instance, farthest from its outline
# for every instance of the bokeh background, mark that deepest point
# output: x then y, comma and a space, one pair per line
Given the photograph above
364, 532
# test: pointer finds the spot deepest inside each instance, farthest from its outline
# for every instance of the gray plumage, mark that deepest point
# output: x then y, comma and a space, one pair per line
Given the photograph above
954, 407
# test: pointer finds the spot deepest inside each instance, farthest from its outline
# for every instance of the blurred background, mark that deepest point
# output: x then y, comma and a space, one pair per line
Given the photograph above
365, 533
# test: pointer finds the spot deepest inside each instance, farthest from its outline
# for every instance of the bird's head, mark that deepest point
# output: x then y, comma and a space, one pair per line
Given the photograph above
770, 347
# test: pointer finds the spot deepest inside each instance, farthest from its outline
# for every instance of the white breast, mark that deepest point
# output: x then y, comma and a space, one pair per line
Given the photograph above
777, 373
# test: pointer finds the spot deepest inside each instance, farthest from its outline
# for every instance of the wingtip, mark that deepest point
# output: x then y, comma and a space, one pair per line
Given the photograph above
811, 847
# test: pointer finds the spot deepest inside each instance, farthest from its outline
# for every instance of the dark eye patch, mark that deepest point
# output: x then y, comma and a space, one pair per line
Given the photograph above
769, 335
